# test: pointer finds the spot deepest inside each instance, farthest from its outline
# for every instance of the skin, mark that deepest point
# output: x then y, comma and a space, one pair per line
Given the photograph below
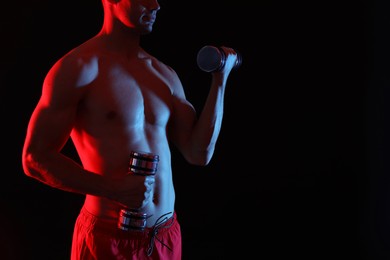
111, 97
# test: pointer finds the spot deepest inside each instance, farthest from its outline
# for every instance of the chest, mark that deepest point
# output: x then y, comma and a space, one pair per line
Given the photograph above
129, 95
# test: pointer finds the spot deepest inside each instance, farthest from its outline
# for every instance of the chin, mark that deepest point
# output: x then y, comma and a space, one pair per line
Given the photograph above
146, 29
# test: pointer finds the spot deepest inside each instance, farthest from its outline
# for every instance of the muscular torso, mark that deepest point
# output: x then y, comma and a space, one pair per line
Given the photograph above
125, 108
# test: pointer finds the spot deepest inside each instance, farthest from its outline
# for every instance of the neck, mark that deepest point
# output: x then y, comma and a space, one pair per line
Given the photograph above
119, 37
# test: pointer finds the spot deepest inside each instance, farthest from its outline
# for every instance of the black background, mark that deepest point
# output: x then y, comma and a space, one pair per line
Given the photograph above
300, 168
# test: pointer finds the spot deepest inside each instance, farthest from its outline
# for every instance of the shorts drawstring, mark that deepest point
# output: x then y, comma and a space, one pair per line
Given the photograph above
160, 223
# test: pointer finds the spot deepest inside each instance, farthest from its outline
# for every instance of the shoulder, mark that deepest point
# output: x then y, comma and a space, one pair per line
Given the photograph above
78, 67
162, 67
168, 73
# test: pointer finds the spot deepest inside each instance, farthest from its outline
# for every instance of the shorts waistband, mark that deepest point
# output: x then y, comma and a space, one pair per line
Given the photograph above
95, 223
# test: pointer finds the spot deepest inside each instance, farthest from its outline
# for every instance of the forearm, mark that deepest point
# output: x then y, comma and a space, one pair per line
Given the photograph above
207, 129
61, 172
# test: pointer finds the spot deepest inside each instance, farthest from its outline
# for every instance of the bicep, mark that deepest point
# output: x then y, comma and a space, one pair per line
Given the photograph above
54, 116
182, 122
183, 114
49, 127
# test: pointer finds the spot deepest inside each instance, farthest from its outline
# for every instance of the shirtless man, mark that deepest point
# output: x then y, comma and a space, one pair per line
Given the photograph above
111, 98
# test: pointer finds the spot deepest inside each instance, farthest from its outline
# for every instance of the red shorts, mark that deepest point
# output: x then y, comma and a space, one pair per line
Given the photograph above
96, 238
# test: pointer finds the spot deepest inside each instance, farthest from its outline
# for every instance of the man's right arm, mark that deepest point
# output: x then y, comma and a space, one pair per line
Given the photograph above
49, 129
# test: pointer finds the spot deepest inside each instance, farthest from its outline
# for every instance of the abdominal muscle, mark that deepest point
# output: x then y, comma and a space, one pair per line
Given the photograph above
163, 202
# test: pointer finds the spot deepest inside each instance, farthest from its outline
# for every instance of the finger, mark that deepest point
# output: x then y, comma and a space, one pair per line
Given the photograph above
149, 180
